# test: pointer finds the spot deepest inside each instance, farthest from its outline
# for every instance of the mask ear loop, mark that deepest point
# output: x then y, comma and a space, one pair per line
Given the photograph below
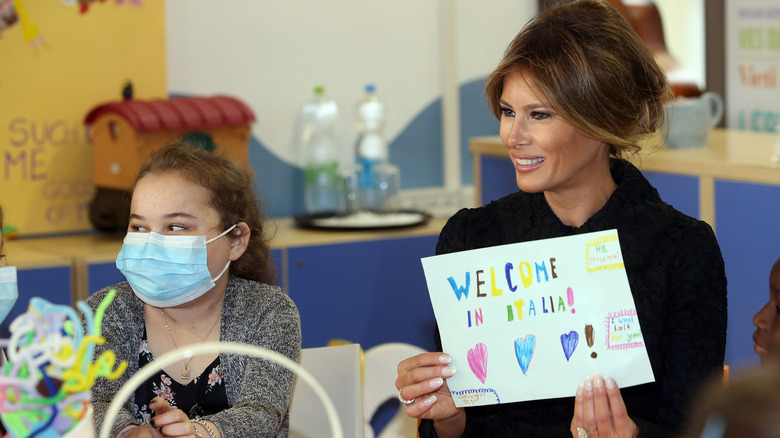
228, 263
223, 271
223, 233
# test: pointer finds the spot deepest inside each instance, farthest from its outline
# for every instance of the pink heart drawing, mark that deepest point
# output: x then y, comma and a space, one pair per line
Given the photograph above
477, 357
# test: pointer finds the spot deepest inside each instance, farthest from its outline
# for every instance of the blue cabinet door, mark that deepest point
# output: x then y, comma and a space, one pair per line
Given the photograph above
51, 284
366, 292
679, 191
749, 236
100, 275
497, 178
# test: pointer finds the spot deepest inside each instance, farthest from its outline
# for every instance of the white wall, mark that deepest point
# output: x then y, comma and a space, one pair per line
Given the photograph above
683, 22
271, 54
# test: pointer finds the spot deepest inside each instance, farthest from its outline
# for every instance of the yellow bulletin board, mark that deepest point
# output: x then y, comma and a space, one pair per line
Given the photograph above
58, 60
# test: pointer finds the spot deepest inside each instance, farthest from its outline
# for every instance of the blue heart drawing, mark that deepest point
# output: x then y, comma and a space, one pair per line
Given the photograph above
524, 350
569, 343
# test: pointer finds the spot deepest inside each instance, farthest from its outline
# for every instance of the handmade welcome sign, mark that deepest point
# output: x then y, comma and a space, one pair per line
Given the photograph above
531, 320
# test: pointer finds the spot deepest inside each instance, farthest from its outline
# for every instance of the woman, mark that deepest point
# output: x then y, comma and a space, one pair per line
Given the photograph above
198, 269
577, 90
748, 406
766, 338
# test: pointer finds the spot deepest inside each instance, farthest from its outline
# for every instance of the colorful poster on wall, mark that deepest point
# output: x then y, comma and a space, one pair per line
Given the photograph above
531, 320
753, 64
60, 58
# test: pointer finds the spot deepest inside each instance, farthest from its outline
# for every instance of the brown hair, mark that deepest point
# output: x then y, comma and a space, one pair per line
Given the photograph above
747, 406
232, 195
596, 72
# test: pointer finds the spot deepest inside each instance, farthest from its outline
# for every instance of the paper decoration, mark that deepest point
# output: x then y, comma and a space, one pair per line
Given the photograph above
45, 386
531, 320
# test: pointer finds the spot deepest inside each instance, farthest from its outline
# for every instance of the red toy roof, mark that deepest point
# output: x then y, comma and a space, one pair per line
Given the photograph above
178, 113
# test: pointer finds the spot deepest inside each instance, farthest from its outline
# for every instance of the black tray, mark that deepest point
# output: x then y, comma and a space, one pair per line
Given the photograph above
362, 220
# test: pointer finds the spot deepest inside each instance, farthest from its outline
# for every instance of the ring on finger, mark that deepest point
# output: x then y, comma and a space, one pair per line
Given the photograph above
403, 400
584, 433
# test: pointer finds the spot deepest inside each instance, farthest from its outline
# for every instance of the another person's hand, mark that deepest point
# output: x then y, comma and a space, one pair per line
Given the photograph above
599, 411
423, 380
170, 422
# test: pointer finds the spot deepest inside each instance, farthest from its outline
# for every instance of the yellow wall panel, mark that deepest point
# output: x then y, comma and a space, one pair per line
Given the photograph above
47, 88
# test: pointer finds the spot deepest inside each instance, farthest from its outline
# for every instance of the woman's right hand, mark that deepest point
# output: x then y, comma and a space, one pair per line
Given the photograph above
423, 378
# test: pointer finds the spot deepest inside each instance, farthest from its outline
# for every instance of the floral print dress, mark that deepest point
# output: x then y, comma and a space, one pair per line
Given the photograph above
203, 395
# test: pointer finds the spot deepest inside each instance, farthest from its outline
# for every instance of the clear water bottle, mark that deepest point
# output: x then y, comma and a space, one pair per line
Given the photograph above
321, 187
371, 147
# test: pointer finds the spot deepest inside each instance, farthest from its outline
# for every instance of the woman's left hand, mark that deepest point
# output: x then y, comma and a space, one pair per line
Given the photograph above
599, 411
170, 422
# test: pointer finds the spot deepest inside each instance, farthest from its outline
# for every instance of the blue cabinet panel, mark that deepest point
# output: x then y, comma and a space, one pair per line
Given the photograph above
101, 275
276, 256
51, 284
747, 227
679, 191
366, 292
497, 179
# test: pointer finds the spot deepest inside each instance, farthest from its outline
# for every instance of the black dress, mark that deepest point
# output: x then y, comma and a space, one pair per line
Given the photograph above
203, 395
677, 278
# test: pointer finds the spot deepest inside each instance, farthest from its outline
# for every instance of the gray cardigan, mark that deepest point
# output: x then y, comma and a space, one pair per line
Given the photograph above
258, 391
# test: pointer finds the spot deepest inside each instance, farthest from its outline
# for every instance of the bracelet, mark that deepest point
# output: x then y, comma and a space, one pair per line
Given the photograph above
128, 430
205, 425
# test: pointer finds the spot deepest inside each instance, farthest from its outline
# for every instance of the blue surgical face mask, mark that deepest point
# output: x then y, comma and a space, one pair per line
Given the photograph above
166, 271
9, 291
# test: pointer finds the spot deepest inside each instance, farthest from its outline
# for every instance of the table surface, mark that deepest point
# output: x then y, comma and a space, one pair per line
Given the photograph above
32, 252
729, 154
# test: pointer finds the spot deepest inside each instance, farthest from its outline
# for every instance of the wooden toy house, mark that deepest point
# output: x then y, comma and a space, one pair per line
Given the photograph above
124, 133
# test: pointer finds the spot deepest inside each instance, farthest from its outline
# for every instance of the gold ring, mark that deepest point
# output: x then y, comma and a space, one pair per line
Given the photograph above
584, 433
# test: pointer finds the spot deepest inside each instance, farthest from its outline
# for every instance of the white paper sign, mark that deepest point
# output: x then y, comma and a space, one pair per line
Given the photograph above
531, 320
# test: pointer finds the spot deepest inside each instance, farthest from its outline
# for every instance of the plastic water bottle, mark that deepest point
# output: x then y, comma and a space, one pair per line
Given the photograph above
321, 191
371, 148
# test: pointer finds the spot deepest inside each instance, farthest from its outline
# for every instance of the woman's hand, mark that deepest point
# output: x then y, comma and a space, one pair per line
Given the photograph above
599, 411
422, 379
170, 422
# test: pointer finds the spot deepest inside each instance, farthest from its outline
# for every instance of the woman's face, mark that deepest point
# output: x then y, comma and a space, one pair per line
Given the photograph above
549, 155
766, 338
169, 204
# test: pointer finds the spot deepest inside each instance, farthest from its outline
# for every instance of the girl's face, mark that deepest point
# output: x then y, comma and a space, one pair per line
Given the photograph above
169, 204
766, 338
2, 254
549, 155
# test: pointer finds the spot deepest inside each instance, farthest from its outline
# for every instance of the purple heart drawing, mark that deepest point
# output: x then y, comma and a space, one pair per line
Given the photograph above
524, 350
477, 358
569, 343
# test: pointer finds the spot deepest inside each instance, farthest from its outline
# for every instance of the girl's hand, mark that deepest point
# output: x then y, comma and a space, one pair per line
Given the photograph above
144, 431
599, 411
170, 422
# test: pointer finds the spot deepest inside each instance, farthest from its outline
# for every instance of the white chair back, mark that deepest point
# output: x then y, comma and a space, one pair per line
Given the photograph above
381, 370
338, 369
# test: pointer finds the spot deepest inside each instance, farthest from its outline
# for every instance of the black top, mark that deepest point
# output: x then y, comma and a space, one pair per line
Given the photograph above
203, 395
677, 278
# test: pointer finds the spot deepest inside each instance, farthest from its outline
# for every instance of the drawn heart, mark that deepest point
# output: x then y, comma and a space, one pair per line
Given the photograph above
477, 358
524, 350
569, 343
